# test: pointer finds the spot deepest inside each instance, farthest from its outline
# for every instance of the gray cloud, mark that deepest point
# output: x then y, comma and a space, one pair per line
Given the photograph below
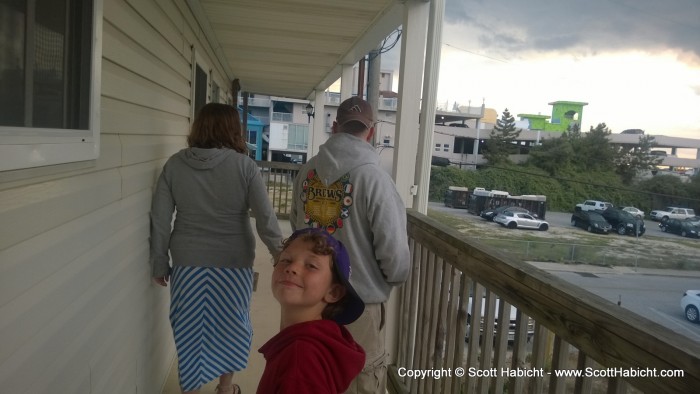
511, 27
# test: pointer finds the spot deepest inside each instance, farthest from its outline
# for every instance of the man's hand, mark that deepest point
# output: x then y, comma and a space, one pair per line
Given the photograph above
163, 281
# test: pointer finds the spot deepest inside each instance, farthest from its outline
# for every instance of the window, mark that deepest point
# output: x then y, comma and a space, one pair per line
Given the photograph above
49, 73
446, 147
252, 137
200, 89
437, 147
215, 92
298, 137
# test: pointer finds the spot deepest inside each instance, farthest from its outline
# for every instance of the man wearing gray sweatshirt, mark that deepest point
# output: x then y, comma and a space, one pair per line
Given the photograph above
344, 190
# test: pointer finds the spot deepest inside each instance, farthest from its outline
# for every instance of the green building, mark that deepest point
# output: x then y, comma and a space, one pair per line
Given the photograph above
564, 113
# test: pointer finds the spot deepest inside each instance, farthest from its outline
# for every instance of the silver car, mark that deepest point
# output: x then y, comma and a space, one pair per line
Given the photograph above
636, 212
520, 220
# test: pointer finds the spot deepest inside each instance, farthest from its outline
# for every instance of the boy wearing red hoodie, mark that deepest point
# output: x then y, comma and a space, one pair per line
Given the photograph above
313, 352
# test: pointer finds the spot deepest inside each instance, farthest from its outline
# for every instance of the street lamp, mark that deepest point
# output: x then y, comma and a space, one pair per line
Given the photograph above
310, 111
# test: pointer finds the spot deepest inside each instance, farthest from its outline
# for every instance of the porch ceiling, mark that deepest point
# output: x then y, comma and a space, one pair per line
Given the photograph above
290, 48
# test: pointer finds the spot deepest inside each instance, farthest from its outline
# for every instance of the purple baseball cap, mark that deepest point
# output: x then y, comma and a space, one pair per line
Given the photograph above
353, 306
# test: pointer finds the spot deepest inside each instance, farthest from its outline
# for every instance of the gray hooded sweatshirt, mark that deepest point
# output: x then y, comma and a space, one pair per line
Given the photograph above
344, 190
212, 191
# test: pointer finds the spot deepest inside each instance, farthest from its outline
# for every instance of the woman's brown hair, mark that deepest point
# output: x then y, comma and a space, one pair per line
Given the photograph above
217, 126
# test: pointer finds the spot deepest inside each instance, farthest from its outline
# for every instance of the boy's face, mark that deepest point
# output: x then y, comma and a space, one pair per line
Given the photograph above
302, 279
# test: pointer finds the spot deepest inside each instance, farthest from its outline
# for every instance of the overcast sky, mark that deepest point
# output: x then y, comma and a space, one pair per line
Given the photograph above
635, 62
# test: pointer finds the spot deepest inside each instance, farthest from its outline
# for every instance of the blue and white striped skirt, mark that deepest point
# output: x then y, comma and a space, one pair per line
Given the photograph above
210, 316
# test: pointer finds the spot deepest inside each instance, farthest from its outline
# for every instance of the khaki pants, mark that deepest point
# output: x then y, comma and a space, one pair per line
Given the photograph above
370, 332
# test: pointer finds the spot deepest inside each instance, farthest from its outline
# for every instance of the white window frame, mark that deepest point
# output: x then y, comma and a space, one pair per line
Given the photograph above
28, 147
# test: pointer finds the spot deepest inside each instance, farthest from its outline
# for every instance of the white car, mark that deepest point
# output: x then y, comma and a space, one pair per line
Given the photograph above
636, 212
690, 303
520, 220
594, 205
663, 215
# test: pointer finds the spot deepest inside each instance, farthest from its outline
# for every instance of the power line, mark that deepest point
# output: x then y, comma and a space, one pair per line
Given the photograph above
384, 48
477, 54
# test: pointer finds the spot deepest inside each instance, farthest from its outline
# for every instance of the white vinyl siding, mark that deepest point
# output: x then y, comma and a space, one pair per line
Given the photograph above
78, 311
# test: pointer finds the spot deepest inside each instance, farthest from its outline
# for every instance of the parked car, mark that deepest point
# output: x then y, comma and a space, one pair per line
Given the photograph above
690, 304
623, 222
636, 212
591, 221
520, 220
594, 205
685, 228
511, 323
671, 213
491, 213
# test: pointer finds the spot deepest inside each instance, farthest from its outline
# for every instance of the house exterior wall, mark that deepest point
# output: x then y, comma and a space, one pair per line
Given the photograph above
78, 312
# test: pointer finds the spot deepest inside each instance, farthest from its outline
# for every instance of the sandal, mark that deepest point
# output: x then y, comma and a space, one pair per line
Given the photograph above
232, 388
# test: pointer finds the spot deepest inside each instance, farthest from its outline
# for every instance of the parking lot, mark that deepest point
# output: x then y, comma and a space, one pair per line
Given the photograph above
563, 219
563, 242
560, 220
653, 293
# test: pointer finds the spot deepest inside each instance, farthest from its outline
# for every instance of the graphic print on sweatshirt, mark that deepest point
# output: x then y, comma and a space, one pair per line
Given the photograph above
326, 206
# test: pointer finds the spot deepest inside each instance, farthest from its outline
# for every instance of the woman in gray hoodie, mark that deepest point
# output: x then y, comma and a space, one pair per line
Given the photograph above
210, 186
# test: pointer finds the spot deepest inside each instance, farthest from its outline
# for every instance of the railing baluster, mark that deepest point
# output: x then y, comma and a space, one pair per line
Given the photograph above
538, 357
413, 309
464, 288
452, 359
486, 338
520, 340
560, 361
443, 275
404, 322
418, 361
474, 334
501, 345
584, 385
616, 386
435, 279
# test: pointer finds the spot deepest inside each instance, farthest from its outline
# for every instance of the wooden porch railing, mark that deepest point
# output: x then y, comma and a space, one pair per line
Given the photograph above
278, 178
574, 330
557, 326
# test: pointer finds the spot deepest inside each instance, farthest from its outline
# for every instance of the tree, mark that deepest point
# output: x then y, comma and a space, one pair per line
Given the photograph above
574, 130
593, 151
502, 141
630, 160
552, 155
555, 155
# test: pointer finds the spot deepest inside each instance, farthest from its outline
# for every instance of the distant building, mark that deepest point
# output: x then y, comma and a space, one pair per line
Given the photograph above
564, 114
459, 134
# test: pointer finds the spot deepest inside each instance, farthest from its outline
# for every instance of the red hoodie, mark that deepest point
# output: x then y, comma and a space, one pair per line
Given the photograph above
318, 356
